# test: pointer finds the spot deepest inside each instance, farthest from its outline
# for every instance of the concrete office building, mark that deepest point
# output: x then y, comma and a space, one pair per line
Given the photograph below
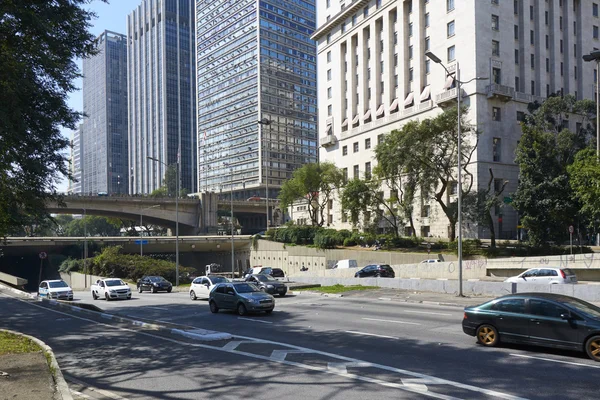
374, 77
75, 184
161, 106
104, 129
255, 61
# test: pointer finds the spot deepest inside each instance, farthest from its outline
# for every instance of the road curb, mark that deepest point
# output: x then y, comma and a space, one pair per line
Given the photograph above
17, 291
62, 388
319, 294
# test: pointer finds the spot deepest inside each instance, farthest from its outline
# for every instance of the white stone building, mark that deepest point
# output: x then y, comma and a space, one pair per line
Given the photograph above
373, 76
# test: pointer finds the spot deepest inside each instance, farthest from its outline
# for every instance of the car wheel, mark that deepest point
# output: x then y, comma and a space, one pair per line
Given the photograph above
269, 311
241, 309
106, 296
153, 289
487, 335
169, 290
213, 307
94, 295
281, 294
140, 290
193, 295
592, 347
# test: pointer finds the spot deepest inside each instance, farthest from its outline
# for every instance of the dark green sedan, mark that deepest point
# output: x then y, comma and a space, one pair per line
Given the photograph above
242, 297
542, 319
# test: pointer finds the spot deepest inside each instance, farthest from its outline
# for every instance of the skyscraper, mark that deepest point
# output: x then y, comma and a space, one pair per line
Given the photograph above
162, 118
104, 131
75, 185
255, 61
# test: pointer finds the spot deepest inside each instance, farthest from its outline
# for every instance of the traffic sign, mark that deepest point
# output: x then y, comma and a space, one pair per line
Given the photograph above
507, 200
141, 242
571, 229
43, 255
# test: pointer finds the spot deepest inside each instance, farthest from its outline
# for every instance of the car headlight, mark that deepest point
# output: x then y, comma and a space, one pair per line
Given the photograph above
112, 291
270, 286
155, 284
254, 301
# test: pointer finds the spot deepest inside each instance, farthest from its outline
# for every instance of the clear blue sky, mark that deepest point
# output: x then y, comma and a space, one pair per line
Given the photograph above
112, 17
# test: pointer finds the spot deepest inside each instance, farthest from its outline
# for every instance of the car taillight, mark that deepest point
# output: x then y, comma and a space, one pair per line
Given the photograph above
563, 274
465, 316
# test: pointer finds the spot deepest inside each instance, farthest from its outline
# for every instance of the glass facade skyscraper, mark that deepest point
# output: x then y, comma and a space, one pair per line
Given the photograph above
75, 184
162, 94
255, 61
103, 133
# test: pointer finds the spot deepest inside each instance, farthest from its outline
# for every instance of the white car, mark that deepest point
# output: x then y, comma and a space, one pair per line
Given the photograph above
202, 285
55, 289
431, 260
545, 275
110, 288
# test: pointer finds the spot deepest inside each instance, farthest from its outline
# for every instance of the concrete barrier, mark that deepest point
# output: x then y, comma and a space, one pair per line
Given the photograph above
13, 280
587, 292
79, 281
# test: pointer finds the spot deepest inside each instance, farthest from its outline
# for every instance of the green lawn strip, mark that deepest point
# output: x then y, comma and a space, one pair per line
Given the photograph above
13, 344
339, 288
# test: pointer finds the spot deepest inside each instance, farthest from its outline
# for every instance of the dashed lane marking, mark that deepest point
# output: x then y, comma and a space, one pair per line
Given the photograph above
392, 321
371, 334
102, 392
255, 320
556, 361
428, 313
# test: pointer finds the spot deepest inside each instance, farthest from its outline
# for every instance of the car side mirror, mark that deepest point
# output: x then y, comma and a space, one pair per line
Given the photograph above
207, 284
565, 316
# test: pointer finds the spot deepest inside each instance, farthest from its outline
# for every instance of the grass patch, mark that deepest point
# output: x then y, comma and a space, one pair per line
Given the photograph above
13, 344
339, 288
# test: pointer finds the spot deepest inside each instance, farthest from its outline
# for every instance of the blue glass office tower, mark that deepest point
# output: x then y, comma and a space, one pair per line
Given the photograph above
162, 117
255, 61
103, 159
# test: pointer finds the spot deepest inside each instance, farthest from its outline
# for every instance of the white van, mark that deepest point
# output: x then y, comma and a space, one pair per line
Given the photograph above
341, 264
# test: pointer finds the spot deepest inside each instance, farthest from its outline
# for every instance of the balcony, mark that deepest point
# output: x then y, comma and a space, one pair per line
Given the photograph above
447, 97
327, 141
528, 98
501, 92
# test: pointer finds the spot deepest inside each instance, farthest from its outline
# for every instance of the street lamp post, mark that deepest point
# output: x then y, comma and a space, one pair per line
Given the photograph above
262, 122
436, 60
232, 246
176, 216
595, 56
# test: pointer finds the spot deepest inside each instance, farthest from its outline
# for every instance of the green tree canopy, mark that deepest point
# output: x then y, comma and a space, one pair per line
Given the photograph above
93, 226
39, 42
313, 184
584, 176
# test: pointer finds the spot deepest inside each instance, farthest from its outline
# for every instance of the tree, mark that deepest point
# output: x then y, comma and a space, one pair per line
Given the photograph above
92, 225
584, 176
424, 155
169, 184
544, 198
315, 185
39, 41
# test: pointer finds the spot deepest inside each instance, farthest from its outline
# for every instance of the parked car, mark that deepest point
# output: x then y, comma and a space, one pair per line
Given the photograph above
268, 284
542, 319
55, 289
154, 284
110, 289
202, 285
430, 260
243, 297
345, 264
376, 271
545, 275
274, 272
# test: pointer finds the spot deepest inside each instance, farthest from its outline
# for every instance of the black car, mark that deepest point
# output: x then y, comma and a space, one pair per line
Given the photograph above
376, 271
543, 319
154, 284
268, 284
274, 272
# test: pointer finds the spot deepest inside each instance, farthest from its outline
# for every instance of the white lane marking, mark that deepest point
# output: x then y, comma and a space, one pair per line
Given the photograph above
103, 392
159, 308
427, 312
280, 355
343, 367
556, 361
255, 320
79, 394
234, 344
489, 392
371, 334
392, 321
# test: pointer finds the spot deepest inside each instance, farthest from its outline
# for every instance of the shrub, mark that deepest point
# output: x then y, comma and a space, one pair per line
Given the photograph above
469, 247
323, 240
348, 242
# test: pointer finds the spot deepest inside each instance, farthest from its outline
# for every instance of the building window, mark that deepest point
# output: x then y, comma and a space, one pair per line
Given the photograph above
496, 48
329, 110
378, 4
343, 27
520, 116
367, 143
411, 74
427, 43
453, 188
450, 28
498, 185
595, 32
328, 93
531, 37
547, 65
366, 12
345, 174
496, 114
451, 53
356, 172
495, 22
532, 60
497, 76
531, 13
516, 32
516, 56
410, 29
427, 66
517, 84
426, 20
328, 38
355, 147
410, 52
329, 56
380, 138
595, 9
516, 7
328, 74
496, 148
345, 150
533, 88
449, 5
368, 170
425, 211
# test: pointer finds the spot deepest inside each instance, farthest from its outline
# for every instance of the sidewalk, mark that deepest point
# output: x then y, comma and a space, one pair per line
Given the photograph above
28, 377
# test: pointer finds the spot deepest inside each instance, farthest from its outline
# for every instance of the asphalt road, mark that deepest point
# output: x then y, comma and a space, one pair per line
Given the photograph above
334, 348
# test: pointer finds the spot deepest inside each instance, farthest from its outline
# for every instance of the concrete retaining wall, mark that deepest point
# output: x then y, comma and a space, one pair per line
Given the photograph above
79, 281
588, 292
13, 280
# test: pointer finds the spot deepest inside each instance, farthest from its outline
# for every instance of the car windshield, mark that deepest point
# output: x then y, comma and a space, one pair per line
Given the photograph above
218, 279
246, 288
156, 279
58, 284
584, 307
265, 278
115, 282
